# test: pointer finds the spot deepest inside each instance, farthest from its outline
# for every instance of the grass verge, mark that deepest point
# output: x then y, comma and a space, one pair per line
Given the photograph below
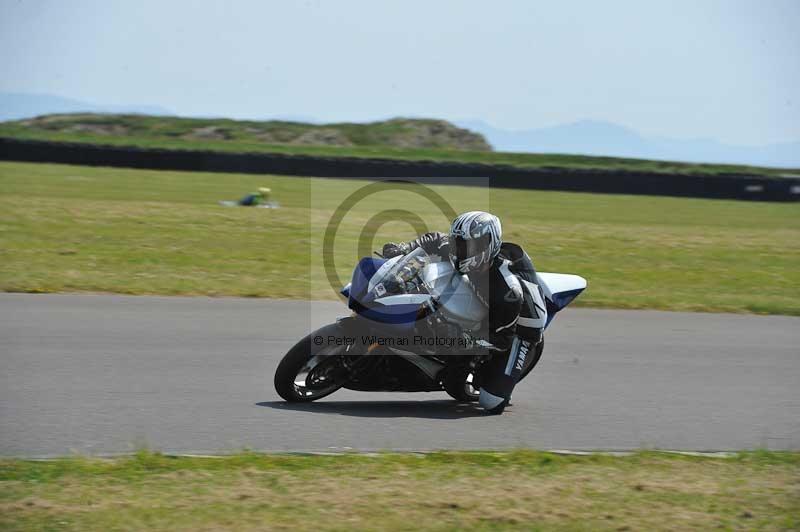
81, 229
439, 491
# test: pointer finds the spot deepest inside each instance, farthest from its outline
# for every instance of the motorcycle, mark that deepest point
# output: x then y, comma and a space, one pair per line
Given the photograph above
417, 325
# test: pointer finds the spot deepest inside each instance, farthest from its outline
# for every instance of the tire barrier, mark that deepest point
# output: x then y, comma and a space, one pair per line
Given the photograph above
728, 186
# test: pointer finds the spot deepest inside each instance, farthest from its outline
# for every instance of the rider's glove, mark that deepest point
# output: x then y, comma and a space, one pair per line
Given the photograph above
392, 249
538, 337
500, 342
468, 339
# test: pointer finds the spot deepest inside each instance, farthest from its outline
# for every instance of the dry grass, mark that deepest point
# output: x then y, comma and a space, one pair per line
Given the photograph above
442, 491
79, 229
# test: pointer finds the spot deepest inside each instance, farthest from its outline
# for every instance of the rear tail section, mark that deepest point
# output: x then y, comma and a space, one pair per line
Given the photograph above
559, 290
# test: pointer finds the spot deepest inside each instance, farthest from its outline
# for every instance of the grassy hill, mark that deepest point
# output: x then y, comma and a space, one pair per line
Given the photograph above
397, 133
409, 139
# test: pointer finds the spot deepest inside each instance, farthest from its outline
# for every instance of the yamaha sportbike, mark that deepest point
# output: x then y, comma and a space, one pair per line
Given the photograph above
417, 325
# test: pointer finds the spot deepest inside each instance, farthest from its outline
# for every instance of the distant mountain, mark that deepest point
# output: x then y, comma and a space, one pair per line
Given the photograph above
15, 106
606, 139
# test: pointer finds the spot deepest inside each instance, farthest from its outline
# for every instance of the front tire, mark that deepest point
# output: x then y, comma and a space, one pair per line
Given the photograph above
309, 372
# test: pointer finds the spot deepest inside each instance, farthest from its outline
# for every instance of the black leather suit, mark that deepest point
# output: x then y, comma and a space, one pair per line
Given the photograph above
517, 313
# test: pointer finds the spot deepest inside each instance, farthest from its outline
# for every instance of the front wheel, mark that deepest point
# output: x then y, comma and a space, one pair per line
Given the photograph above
309, 372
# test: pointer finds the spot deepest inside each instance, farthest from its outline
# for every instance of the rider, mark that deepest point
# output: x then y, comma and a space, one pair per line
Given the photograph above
505, 280
259, 197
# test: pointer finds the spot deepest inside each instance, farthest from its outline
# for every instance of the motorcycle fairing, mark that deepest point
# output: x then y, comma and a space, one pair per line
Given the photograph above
405, 299
458, 300
559, 290
361, 296
357, 289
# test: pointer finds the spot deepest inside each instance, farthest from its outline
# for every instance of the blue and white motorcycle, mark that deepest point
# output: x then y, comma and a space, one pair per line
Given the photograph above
417, 325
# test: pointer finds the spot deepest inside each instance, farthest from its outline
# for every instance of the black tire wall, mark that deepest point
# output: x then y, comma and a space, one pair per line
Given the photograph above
727, 186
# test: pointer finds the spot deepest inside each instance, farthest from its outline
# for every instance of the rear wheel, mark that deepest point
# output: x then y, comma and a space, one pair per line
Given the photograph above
531, 362
459, 385
309, 372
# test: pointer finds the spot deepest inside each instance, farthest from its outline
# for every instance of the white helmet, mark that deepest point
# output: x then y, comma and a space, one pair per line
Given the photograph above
475, 239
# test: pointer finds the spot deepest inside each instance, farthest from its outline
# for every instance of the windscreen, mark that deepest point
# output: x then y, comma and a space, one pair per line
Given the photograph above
397, 276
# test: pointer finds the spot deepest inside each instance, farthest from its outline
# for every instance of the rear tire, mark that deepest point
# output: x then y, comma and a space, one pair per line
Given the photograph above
532, 361
458, 385
459, 388
294, 370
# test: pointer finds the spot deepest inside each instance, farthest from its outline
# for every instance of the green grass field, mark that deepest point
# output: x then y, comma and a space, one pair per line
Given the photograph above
380, 139
80, 229
522, 490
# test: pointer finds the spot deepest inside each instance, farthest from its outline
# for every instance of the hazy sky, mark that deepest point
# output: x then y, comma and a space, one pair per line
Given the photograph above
723, 69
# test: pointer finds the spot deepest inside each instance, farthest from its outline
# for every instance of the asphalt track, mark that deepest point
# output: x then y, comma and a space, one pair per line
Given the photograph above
109, 374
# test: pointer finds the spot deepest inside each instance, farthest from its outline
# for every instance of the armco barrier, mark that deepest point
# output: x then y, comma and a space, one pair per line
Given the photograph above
731, 186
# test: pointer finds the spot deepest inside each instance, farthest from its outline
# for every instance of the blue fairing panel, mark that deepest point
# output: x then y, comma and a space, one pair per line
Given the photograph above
394, 314
357, 297
363, 302
562, 299
559, 301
